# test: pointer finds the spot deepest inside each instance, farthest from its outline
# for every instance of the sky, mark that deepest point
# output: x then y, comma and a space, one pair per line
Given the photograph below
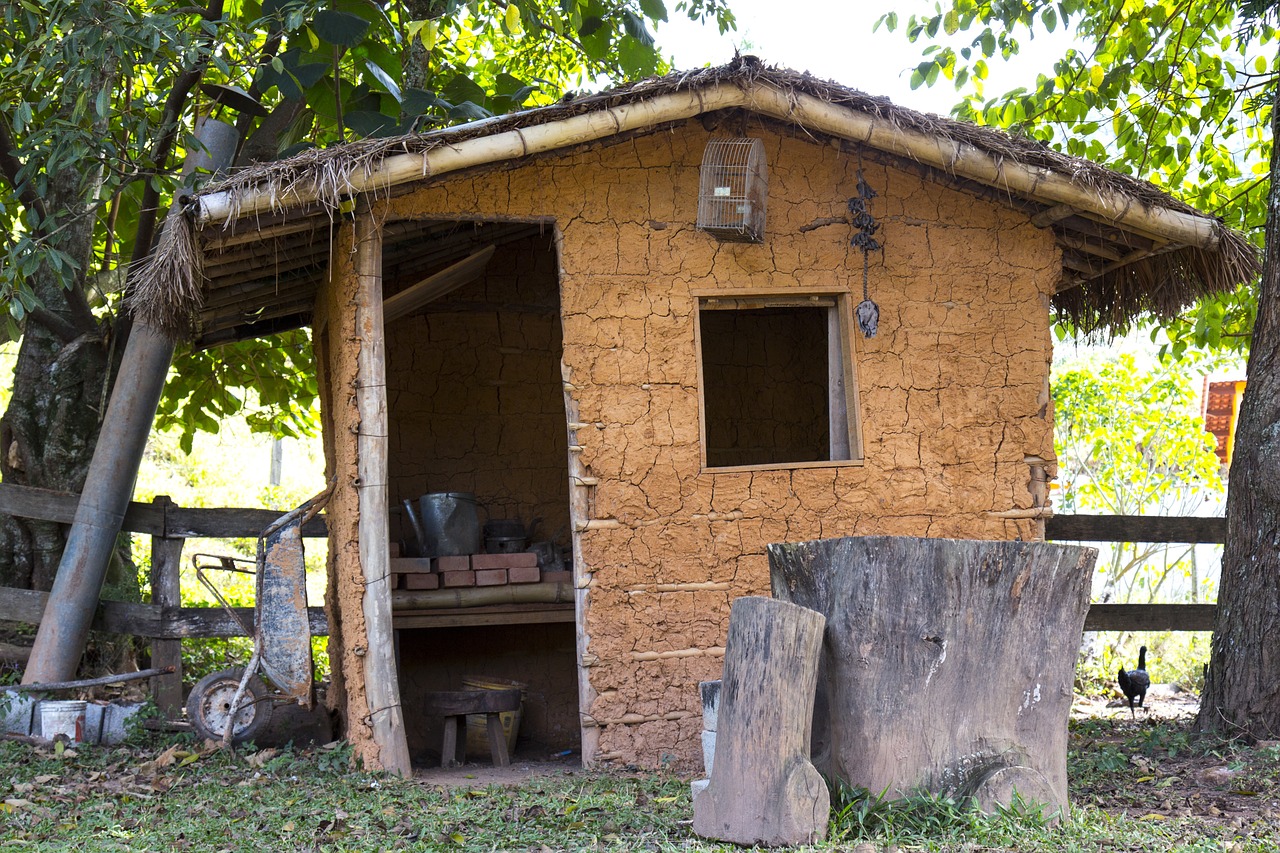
833, 39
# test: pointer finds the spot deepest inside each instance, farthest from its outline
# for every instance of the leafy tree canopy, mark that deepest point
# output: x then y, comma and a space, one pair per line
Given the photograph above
98, 100
1169, 91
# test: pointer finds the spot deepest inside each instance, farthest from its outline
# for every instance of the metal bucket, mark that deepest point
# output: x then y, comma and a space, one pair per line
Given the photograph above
450, 524
65, 717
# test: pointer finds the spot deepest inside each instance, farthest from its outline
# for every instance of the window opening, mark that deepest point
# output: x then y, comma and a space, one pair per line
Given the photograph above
775, 379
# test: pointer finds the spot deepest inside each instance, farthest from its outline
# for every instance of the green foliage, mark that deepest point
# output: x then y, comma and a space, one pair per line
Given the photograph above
1173, 657
314, 799
858, 814
98, 100
1169, 91
1129, 441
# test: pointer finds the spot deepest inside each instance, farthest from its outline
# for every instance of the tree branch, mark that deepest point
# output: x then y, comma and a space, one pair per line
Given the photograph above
164, 146
10, 166
64, 331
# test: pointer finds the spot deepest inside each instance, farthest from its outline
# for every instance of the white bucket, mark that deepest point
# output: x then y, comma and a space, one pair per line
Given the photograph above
65, 717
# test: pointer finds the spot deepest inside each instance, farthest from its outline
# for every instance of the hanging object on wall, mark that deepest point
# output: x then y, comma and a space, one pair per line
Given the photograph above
733, 191
865, 227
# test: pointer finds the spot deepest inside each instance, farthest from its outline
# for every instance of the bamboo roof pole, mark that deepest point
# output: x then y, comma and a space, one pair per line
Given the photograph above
959, 158
64, 627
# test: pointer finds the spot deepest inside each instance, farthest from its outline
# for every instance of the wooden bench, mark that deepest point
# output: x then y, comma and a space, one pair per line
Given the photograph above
455, 705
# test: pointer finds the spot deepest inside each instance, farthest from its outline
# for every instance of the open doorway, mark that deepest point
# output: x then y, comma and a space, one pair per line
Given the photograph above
476, 406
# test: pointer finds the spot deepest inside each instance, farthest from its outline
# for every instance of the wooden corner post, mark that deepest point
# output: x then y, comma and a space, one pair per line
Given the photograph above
381, 683
166, 593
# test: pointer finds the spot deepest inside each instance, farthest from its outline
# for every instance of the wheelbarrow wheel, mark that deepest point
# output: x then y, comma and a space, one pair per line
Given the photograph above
209, 706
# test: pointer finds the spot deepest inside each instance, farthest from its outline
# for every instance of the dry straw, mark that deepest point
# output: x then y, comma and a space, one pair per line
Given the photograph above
1163, 282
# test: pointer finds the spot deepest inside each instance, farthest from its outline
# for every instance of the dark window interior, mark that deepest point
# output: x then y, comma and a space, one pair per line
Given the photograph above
765, 385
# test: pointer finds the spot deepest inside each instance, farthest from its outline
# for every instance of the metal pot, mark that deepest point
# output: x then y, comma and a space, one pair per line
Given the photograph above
446, 524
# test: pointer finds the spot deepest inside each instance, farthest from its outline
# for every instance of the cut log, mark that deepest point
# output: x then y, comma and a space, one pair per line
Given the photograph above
947, 665
763, 789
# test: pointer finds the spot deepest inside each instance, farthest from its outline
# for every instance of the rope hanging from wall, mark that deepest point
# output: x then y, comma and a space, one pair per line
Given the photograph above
865, 227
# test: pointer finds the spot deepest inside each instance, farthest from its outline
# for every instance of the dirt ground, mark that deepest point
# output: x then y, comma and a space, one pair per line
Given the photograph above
479, 775
1153, 765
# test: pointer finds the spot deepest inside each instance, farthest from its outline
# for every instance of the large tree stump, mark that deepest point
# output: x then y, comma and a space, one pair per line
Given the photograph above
947, 665
763, 789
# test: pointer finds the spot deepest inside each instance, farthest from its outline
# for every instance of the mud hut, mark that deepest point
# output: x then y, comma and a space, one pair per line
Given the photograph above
529, 308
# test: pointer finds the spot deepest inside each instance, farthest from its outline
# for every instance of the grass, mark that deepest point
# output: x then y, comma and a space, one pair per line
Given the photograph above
171, 795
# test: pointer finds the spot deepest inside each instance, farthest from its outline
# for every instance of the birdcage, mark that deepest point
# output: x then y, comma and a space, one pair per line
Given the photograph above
734, 188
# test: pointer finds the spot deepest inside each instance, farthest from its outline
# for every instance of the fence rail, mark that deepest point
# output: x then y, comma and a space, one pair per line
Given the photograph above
1142, 528
166, 625
162, 518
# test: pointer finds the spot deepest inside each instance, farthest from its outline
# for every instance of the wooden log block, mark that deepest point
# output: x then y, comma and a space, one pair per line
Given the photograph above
763, 789
946, 665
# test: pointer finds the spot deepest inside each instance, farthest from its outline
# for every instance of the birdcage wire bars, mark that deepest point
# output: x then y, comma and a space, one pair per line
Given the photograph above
733, 190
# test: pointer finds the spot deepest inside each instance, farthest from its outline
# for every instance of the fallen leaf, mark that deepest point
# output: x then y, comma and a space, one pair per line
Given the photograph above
164, 759
1142, 779
261, 757
289, 827
1153, 816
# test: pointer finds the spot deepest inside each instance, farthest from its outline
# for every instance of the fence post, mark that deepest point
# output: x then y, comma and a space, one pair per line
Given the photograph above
166, 593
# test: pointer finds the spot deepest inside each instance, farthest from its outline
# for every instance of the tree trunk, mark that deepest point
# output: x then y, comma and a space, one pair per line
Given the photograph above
60, 387
1242, 686
49, 431
946, 664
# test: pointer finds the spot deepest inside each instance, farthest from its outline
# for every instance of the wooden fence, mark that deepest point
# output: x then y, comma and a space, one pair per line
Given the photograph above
1136, 528
166, 623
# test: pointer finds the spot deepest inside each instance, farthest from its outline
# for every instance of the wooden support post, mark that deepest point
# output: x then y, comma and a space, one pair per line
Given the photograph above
381, 682
947, 665
763, 789
166, 593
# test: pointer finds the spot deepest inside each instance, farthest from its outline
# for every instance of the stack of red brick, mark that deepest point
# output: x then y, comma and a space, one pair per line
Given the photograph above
475, 570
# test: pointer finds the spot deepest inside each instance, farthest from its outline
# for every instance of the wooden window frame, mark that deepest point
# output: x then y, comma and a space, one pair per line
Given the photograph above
844, 413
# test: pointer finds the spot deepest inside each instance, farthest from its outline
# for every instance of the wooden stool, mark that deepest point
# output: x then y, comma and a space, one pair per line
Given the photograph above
454, 705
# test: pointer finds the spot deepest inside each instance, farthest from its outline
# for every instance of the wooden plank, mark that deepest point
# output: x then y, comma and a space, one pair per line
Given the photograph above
231, 523
147, 620
1150, 617
171, 522
22, 605
442, 283
467, 618
837, 395
381, 680
1135, 528
580, 499
48, 505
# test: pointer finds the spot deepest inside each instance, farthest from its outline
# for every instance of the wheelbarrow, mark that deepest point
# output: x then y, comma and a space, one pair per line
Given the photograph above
281, 634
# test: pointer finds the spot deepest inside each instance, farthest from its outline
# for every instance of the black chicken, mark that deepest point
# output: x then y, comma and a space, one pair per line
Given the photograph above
1134, 683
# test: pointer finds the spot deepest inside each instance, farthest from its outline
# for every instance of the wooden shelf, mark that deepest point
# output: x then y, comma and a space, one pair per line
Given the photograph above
501, 614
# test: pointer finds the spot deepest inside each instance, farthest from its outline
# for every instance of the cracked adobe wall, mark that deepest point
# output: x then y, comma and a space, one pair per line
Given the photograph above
953, 391
474, 392
337, 348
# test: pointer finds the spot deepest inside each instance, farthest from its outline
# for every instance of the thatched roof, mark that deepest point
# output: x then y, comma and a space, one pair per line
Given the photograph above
1129, 248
